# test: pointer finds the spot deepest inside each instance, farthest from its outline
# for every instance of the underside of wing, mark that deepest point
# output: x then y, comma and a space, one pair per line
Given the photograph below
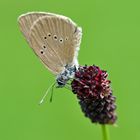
55, 39
26, 21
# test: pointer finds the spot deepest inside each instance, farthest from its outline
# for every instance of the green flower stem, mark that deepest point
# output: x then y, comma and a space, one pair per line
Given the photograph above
105, 132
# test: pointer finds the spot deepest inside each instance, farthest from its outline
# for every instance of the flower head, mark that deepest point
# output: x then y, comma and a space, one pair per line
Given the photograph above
95, 95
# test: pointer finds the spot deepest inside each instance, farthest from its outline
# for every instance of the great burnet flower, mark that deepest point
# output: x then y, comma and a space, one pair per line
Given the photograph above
95, 95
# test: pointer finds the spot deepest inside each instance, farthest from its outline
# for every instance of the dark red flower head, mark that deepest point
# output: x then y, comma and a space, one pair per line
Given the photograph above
94, 94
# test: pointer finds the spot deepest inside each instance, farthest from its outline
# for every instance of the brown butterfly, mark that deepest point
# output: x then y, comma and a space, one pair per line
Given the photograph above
55, 39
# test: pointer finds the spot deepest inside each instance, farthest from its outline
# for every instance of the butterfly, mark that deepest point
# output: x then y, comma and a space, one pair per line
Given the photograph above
55, 39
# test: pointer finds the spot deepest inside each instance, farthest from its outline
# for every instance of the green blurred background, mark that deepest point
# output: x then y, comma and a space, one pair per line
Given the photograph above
111, 39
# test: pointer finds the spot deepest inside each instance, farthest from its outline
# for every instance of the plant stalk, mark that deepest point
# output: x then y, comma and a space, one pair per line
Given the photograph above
105, 132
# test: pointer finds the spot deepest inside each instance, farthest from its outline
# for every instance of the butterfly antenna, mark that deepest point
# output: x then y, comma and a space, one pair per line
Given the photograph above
42, 100
51, 98
67, 86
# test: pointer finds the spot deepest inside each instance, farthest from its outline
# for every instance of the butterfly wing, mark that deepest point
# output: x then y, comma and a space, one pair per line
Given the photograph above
56, 41
26, 21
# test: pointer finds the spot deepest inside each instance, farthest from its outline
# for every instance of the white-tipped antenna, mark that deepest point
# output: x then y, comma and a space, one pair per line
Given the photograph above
42, 100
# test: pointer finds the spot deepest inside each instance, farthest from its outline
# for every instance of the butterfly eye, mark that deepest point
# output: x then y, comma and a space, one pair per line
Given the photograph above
66, 38
45, 37
49, 34
61, 40
55, 37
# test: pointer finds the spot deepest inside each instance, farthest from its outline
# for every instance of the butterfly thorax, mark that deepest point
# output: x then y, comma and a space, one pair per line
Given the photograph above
65, 76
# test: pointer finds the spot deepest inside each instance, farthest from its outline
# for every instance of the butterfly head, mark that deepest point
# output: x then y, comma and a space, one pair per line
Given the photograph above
65, 76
